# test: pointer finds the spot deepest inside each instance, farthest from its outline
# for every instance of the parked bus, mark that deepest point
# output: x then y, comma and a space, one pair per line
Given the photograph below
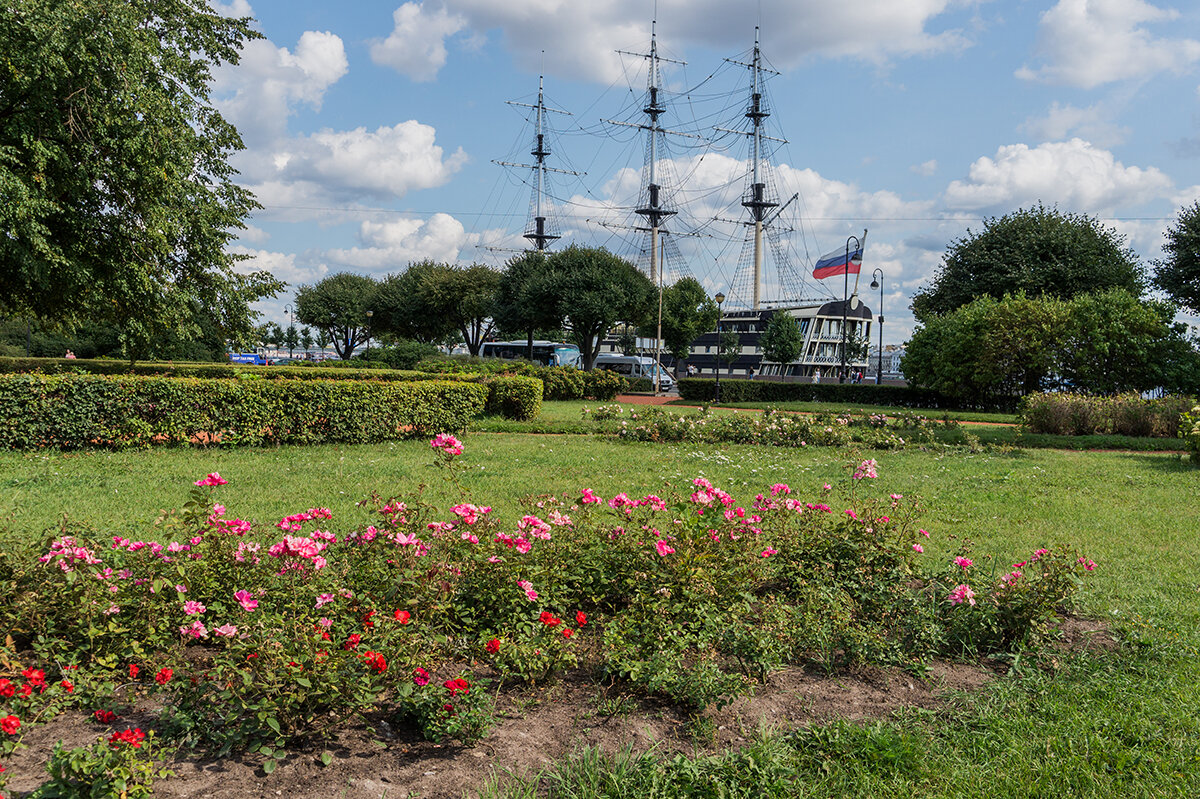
547, 353
635, 366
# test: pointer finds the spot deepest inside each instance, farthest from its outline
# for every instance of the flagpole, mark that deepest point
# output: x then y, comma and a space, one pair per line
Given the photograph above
846, 298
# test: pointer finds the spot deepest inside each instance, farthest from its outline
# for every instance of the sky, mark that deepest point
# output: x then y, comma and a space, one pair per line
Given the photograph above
372, 130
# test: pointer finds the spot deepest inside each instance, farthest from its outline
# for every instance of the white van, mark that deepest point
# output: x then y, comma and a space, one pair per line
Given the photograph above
635, 366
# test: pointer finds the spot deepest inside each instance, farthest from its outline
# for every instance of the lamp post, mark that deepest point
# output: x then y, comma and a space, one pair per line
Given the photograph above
291, 324
846, 300
877, 283
720, 298
369, 315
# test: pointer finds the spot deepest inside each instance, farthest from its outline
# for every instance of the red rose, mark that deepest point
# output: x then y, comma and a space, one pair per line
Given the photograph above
105, 716
493, 646
568, 632
402, 616
164, 676
10, 724
352, 641
7, 689
421, 677
366, 620
36, 677
133, 671
67, 686
549, 620
580, 618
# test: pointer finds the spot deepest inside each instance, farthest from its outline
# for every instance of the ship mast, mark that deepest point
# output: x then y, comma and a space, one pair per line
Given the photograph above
756, 201
539, 234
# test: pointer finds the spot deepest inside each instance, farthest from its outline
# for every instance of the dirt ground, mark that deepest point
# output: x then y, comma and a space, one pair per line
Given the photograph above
535, 728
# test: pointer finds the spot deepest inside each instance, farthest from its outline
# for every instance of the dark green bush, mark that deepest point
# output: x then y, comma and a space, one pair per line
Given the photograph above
79, 411
703, 389
515, 397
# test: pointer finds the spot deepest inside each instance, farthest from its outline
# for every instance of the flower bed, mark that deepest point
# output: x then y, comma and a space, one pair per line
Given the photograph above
253, 636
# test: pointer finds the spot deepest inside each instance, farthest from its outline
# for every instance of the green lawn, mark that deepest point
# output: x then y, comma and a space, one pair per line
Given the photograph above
1118, 724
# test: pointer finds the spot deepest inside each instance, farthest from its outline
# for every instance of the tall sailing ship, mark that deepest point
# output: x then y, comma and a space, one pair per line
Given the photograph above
830, 327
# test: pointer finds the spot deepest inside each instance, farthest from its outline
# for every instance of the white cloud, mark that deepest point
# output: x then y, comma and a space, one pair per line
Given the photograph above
386, 162
1087, 43
280, 264
260, 93
1091, 123
391, 245
579, 38
1073, 174
416, 47
926, 169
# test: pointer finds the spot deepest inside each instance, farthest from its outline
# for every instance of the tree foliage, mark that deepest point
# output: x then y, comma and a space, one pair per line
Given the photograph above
463, 297
595, 289
525, 299
687, 312
729, 346
1179, 273
338, 306
782, 341
1103, 343
1038, 251
118, 198
399, 306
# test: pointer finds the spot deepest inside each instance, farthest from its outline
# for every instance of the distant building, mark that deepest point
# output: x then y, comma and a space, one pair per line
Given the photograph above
892, 353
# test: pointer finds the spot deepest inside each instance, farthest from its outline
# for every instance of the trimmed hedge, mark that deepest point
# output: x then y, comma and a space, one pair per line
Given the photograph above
515, 397
559, 382
79, 411
250, 373
1124, 414
703, 389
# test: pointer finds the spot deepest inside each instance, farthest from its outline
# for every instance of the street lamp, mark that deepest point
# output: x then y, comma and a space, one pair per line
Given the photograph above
846, 298
369, 315
291, 325
877, 283
720, 298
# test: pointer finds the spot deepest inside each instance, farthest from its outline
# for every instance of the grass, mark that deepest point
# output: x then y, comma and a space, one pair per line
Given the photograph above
1105, 724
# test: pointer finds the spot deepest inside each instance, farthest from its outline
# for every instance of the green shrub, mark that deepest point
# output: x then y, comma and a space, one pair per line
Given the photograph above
79, 411
601, 384
1189, 429
1124, 414
515, 397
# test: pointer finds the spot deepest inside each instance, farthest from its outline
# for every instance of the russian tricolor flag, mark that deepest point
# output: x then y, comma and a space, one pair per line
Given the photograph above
836, 263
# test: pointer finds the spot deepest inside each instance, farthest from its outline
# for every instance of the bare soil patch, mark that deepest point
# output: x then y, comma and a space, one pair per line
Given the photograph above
535, 728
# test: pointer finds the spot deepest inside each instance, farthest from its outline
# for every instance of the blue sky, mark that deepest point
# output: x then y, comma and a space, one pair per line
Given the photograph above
372, 128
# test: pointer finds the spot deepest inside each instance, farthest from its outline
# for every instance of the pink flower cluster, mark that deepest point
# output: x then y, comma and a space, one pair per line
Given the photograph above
866, 469
590, 497
309, 549
707, 493
469, 513
447, 443
67, 554
291, 524
527, 587
211, 479
962, 593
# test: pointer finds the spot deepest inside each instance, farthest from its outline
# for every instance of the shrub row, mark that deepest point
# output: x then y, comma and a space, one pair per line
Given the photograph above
559, 382
1124, 414
527, 408
703, 389
78, 411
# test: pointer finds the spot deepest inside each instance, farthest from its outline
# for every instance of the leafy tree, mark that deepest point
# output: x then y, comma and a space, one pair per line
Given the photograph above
323, 339
989, 348
729, 346
627, 340
463, 297
273, 335
118, 198
687, 312
306, 338
1179, 273
338, 306
1116, 342
292, 339
594, 290
782, 341
1038, 251
525, 302
401, 310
